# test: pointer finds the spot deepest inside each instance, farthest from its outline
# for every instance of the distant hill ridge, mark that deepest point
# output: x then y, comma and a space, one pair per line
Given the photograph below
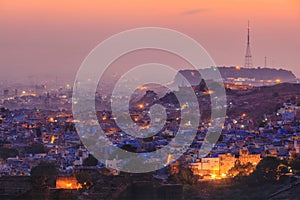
194, 76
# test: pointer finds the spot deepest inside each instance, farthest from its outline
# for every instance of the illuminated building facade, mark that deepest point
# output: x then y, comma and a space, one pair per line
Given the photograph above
218, 167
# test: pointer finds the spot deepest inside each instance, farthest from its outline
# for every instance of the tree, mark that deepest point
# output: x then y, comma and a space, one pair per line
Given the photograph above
282, 168
43, 173
185, 176
3, 110
36, 148
85, 179
90, 161
187, 179
8, 153
295, 164
267, 170
38, 132
241, 169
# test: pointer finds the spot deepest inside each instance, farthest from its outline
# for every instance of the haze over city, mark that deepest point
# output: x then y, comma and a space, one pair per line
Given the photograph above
47, 39
187, 100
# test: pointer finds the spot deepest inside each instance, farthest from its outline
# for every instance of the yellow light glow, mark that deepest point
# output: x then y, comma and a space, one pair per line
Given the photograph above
142, 87
237, 67
52, 139
145, 127
51, 119
183, 106
208, 92
169, 159
244, 115
69, 183
277, 81
213, 176
141, 106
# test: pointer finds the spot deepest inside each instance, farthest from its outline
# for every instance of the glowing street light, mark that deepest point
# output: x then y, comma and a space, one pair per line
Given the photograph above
52, 139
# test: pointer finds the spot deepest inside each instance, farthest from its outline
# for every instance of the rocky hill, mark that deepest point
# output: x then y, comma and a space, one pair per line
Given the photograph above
262, 100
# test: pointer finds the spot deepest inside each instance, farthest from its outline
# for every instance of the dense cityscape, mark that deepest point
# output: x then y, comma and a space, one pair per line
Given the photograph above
152, 100
39, 141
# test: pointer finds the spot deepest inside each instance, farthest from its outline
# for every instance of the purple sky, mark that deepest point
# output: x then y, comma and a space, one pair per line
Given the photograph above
51, 38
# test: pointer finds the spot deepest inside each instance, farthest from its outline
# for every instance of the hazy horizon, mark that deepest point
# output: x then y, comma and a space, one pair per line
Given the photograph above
51, 38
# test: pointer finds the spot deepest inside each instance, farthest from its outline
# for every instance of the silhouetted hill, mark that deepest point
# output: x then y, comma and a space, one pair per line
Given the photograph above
258, 73
194, 77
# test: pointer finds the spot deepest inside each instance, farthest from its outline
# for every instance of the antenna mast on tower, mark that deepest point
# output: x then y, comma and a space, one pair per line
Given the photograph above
248, 56
266, 62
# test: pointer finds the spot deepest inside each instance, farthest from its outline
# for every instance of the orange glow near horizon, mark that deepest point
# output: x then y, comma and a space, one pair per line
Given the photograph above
58, 34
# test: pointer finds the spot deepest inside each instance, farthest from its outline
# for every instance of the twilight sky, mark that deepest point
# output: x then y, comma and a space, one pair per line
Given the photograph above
52, 37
